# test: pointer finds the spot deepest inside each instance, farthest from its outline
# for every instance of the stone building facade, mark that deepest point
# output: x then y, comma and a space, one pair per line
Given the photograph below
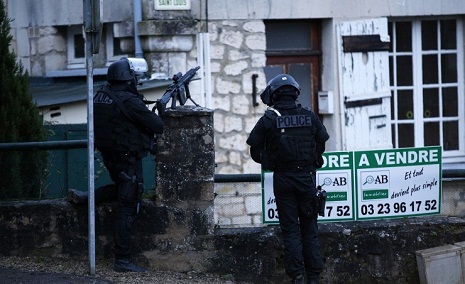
363, 100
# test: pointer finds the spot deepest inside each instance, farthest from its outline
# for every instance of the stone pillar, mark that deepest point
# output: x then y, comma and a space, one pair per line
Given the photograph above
186, 165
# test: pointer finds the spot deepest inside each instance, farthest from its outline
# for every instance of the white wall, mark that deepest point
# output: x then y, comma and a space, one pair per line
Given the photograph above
76, 112
295, 9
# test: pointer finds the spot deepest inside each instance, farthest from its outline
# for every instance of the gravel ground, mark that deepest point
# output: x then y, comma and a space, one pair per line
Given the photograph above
40, 270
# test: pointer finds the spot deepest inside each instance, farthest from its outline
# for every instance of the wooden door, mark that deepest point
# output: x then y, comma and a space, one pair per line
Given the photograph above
364, 84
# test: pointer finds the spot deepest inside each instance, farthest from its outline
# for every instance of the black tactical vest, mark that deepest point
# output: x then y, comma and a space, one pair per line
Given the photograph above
114, 131
292, 140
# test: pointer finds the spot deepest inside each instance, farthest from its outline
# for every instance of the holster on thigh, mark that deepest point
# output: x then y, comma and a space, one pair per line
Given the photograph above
127, 188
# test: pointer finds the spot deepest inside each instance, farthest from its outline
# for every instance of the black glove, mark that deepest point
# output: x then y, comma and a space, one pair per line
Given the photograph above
319, 161
160, 108
154, 148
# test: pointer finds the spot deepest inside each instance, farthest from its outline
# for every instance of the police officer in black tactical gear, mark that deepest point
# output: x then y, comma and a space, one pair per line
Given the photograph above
124, 134
289, 140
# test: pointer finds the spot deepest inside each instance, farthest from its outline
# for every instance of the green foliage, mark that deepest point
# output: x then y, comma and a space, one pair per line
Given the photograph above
21, 172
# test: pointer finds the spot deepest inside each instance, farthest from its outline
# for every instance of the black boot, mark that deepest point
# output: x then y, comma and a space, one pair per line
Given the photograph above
77, 197
314, 279
299, 279
125, 265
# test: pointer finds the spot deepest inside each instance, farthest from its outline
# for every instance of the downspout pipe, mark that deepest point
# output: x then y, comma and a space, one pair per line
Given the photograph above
137, 18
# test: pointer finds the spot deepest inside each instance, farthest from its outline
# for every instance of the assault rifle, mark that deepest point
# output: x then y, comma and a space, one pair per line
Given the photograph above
177, 91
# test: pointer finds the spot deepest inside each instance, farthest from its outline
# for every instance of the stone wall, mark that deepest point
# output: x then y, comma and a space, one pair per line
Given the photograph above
238, 204
237, 52
166, 239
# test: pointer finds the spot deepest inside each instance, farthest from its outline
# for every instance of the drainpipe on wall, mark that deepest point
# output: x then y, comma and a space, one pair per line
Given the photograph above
137, 18
208, 91
203, 49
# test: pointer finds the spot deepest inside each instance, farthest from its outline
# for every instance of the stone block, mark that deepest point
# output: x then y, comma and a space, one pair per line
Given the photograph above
177, 43
231, 38
185, 162
254, 27
123, 29
256, 42
461, 245
167, 27
439, 265
235, 68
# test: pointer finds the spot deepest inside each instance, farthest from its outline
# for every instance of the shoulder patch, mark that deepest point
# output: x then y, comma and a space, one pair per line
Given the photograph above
102, 98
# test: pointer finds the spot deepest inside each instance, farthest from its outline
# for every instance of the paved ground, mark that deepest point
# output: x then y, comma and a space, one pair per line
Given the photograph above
11, 275
41, 270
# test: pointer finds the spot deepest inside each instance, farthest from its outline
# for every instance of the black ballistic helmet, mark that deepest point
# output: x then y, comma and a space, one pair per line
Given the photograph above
276, 83
120, 71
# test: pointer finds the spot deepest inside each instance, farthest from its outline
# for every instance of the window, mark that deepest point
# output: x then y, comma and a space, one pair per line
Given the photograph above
427, 85
296, 53
76, 48
113, 47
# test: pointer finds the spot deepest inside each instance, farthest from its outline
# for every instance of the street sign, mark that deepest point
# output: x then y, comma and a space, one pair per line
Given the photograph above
172, 4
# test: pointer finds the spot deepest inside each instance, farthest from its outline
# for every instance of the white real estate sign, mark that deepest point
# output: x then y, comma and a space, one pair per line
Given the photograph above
363, 185
398, 183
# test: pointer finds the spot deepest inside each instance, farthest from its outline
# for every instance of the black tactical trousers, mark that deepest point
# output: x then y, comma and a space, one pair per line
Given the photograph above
126, 173
294, 193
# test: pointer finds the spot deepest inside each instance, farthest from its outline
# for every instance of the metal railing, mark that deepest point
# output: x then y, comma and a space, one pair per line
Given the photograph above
45, 145
219, 178
225, 178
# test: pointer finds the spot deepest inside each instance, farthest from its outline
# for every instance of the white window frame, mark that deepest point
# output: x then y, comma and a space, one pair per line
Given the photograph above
109, 40
79, 63
73, 62
451, 156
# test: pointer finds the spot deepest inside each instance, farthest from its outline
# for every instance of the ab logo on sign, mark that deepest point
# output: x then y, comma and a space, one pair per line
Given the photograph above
375, 184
